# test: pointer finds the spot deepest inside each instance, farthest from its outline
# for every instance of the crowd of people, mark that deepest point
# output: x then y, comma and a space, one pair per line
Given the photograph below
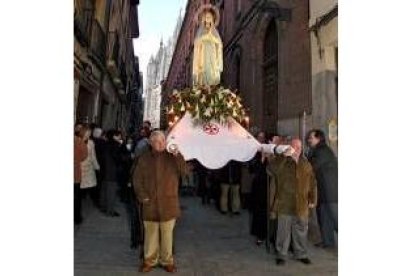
103, 162
277, 190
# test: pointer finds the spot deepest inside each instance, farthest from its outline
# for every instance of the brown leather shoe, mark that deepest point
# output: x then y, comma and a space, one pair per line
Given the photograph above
170, 268
145, 268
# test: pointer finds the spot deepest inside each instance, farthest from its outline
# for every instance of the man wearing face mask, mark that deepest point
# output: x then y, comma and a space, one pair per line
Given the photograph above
111, 165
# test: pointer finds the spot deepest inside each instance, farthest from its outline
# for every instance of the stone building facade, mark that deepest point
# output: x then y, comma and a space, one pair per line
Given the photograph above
105, 68
157, 71
323, 25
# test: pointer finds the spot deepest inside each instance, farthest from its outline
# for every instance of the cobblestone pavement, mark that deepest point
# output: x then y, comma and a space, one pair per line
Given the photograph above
206, 243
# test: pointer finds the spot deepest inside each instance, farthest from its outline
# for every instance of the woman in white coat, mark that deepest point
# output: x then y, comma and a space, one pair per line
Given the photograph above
88, 167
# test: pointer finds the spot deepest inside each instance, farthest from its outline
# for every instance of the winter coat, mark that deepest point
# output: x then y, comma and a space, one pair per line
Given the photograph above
125, 165
88, 167
99, 149
141, 146
257, 167
80, 154
325, 166
156, 178
111, 161
296, 185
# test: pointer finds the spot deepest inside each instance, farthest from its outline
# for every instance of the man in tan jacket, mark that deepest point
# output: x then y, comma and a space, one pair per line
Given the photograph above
295, 194
156, 180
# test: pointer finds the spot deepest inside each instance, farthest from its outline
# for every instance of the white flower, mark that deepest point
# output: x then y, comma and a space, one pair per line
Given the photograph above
234, 113
197, 115
182, 107
208, 111
198, 92
203, 99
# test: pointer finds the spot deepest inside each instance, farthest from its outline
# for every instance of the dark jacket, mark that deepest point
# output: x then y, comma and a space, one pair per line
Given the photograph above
99, 149
111, 161
125, 165
257, 167
296, 185
231, 173
156, 177
325, 166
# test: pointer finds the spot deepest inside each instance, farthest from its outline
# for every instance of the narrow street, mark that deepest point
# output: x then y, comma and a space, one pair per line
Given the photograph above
207, 243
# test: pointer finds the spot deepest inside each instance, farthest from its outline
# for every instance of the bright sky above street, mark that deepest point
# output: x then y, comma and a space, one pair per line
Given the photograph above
157, 19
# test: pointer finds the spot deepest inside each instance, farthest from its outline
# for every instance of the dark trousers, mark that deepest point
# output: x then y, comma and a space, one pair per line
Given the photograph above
77, 203
98, 186
328, 221
93, 194
108, 196
135, 219
259, 224
273, 231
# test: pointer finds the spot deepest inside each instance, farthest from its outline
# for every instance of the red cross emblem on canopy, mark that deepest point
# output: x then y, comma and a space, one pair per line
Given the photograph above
211, 128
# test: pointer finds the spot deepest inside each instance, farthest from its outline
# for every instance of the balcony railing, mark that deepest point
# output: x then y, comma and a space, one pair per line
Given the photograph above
97, 41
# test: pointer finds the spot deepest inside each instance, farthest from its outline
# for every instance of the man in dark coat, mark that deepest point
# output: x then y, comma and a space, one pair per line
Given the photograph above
259, 194
325, 166
156, 180
110, 173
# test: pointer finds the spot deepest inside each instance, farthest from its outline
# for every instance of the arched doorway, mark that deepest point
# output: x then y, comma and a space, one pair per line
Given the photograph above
270, 78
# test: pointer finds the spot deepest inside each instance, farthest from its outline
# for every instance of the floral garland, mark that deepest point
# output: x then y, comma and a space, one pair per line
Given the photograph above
206, 103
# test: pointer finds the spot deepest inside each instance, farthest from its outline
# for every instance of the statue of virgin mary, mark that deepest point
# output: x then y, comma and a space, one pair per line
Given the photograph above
208, 48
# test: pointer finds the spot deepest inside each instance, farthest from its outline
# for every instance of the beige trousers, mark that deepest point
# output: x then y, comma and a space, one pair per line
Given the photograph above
158, 242
235, 197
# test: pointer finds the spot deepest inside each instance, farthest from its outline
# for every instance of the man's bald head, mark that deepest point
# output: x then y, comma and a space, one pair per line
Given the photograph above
296, 144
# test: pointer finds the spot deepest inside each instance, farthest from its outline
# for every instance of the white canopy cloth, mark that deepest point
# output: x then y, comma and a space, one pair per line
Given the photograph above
212, 144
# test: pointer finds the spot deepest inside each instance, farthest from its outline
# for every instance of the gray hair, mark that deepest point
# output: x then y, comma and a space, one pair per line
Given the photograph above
156, 134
